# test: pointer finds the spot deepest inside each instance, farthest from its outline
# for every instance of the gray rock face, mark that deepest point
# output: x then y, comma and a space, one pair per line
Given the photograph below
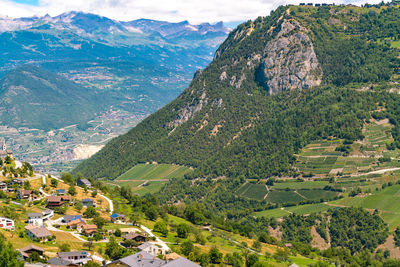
289, 61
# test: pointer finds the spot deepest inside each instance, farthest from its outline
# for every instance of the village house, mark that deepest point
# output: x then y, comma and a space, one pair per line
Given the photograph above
139, 238
3, 186
145, 259
152, 249
35, 219
37, 233
118, 218
25, 194
88, 229
84, 183
27, 251
76, 224
6, 223
54, 201
75, 257
88, 202
70, 218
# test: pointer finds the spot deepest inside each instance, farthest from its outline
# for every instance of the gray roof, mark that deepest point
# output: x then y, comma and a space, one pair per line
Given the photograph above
73, 254
58, 262
87, 200
85, 181
141, 259
181, 262
39, 232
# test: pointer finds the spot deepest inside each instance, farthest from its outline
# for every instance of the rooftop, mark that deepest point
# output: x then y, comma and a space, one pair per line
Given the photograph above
38, 231
73, 254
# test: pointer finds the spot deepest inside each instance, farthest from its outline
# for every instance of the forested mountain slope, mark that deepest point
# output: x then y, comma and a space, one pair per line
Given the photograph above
35, 98
275, 84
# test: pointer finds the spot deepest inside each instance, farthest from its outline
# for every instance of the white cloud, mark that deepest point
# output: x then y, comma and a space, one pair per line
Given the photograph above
195, 11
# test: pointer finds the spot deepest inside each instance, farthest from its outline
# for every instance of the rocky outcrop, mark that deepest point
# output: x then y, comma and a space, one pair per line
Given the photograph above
289, 61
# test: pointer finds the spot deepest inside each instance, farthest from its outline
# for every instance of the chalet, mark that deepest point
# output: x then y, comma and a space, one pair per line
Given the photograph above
61, 192
3, 186
152, 249
26, 252
89, 229
118, 218
84, 183
145, 259
76, 224
35, 219
25, 194
139, 238
35, 232
54, 201
75, 257
70, 218
6, 223
88, 202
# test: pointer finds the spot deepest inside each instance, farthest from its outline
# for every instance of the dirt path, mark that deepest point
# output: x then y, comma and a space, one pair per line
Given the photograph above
376, 172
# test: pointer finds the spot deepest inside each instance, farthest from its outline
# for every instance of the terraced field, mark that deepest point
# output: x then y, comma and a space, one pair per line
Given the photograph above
300, 210
149, 178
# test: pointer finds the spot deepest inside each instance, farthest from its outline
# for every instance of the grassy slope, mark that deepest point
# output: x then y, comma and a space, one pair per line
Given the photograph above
154, 172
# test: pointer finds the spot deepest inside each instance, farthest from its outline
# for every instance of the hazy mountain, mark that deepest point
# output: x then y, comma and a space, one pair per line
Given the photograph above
35, 98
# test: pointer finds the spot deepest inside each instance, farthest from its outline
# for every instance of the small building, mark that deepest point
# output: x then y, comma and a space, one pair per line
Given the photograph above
6, 223
70, 218
88, 202
25, 194
84, 183
152, 249
181, 262
27, 251
66, 198
3, 186
54, 201
88, 229
76, 224
118, 218
39, 233
35, 219
75, 257
139, 238
61, 192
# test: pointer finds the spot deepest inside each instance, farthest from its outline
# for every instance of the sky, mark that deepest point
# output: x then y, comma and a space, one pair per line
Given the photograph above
195, 11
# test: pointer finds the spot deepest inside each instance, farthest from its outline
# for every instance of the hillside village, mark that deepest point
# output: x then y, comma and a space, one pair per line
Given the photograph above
62, 222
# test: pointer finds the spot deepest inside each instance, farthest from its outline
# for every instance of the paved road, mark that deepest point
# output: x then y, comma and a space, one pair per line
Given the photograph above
158, 240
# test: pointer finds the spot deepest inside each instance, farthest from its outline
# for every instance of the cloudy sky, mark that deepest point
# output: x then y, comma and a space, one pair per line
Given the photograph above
195, 11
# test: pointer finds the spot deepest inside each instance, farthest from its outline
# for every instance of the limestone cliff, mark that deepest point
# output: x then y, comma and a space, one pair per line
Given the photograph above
289, 60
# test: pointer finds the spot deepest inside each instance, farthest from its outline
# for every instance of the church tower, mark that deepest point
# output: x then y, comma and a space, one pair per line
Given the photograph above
3, 144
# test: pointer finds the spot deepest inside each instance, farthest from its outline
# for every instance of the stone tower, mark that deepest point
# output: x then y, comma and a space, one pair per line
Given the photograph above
3, 144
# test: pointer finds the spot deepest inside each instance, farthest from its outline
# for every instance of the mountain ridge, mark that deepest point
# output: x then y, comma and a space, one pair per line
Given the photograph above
229, 122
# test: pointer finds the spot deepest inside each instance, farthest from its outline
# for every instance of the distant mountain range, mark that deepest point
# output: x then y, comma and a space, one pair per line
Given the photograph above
142, 59
77, 36
79, 68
